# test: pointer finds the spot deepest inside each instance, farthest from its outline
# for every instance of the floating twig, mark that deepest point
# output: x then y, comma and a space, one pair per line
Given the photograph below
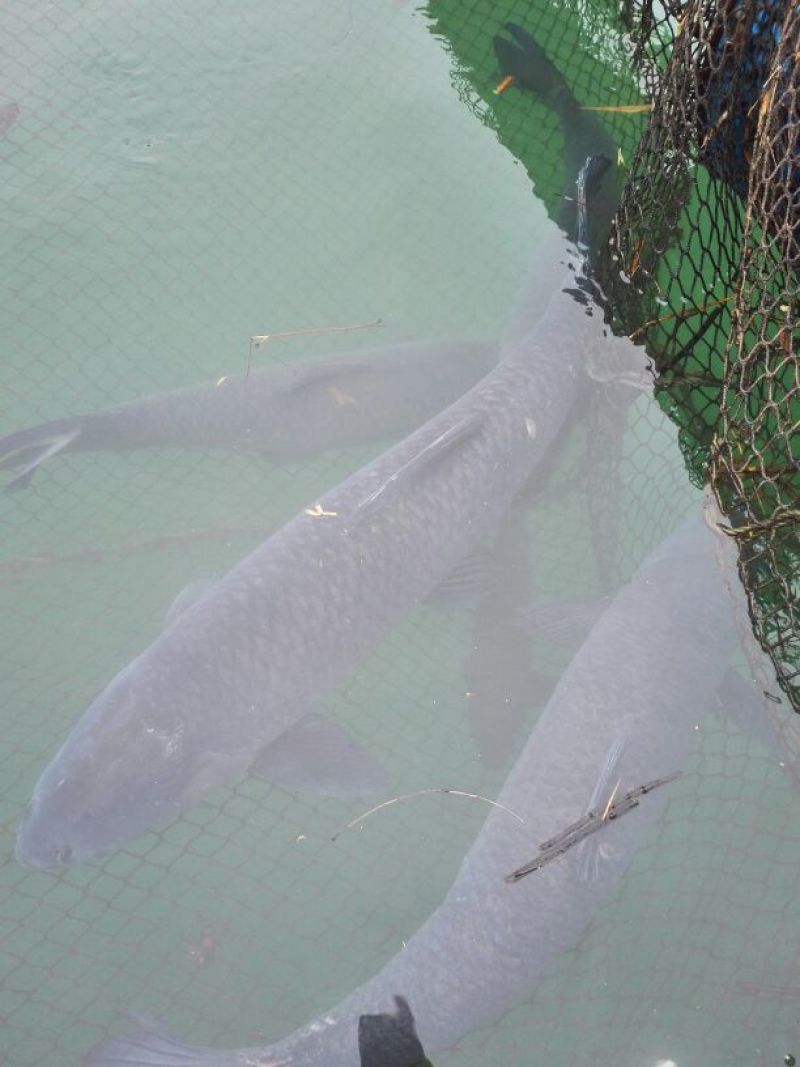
610, 803
635, 260
621, 109
259, 339
423, 793
588, 824
679, 315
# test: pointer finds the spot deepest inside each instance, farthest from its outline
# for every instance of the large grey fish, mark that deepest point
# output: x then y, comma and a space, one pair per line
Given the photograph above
286, 411
228, 685
647, 670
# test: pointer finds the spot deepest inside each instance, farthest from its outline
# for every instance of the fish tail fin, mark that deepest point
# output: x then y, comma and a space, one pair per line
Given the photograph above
150, 1047
25, 450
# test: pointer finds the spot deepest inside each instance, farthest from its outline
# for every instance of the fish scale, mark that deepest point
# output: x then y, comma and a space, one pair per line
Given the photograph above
488, 944
256, 652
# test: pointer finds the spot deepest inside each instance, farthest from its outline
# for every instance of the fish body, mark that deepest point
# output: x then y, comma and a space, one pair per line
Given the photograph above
523, 59
501, 681
490, 942
286, 411
251, 657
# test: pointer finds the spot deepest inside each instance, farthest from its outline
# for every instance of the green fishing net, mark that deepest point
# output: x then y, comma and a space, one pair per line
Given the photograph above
702, 269
178, 179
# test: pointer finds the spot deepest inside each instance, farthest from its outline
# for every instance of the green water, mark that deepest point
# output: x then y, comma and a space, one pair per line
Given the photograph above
183, 177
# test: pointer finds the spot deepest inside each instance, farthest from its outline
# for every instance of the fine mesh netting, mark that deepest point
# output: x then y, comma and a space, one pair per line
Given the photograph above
179, 178
703, 271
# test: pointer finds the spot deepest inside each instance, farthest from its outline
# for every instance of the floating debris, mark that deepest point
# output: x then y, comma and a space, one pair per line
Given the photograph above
587, 825
319, 512
203, 952
307, 331
423, 793
621, 109
504, 84
259, 339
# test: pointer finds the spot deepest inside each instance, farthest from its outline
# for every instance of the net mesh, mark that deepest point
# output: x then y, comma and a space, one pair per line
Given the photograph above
703, 270
175, 181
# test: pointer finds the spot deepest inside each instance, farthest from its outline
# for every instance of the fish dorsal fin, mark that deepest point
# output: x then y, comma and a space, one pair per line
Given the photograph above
428, 454
188, 596
319, 756
602, 789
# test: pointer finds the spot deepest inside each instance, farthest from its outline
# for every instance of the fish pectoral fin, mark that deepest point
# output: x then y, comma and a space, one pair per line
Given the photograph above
28, 456
319, 756
588, 853
188, 596
564, 621
149, 1046
430, 453
466, 583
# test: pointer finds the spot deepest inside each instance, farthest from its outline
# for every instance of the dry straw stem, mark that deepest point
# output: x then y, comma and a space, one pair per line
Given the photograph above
621, 109
259, 339
687, 314
783, 517
424, 793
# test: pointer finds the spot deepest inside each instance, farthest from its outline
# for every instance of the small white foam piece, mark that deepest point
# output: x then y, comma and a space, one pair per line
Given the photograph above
665, 1063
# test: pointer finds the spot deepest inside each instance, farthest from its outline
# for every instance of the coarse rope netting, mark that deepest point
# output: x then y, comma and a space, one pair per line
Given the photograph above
703, 269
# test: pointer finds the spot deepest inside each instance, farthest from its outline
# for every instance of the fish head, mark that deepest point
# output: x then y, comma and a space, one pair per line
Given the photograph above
117, 776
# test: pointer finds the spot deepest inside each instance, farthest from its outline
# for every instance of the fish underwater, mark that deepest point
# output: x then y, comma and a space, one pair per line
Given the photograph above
268, 639
231, 684
501, 682
294, 411
621, 711
285, 411
524, 60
